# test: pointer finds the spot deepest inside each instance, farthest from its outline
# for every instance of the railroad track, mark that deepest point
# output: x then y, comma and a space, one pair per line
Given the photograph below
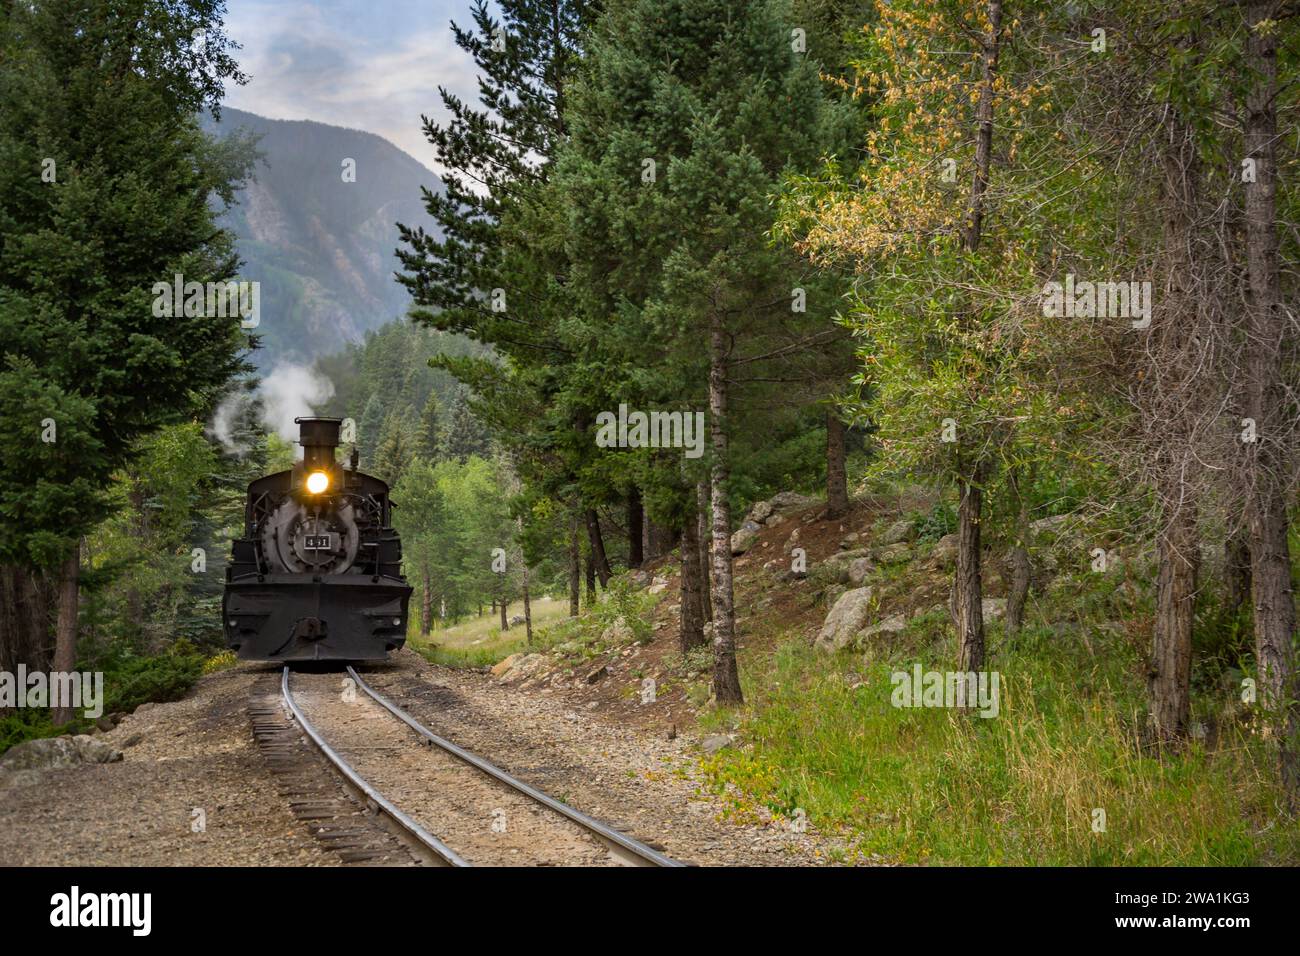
480, 813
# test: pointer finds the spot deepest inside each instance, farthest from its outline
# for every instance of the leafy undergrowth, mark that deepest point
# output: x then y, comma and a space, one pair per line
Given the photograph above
130, 679
930, 785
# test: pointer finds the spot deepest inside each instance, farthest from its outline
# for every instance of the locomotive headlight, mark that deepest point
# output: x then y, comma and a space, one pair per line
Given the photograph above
317, 482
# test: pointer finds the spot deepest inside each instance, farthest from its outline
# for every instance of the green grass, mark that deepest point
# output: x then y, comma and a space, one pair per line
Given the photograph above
928, 785
479, 641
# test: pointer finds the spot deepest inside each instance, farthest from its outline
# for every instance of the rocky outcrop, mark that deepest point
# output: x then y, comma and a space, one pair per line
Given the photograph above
50, 753
846, 618
744, 537
900, 532
944, 554
894, 624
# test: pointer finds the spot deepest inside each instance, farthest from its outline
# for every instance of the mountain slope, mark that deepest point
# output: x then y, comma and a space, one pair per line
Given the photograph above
322, 248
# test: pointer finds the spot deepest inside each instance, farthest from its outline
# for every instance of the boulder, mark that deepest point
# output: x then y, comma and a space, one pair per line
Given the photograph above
892, 554
993, 608
787, 501
503, 665
658, 586
894, 624
715, 742
859, 568
528, 665
617, 633
899, 532
49, 753
791, 542
517, 620
944, 554
744, 537
849, 540
640, 579
761, 511
846, 618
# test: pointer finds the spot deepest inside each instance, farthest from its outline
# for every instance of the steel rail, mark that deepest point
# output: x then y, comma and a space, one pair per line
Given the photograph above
440, 852
624, 847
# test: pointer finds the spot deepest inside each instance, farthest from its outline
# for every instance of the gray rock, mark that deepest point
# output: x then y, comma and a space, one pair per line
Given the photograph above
846, 618
517, 620
993, 608
944, 554
899, 532
791, 542
894, 624
715, 742
761, 511
745, 537
859, 568
640, 579
849, 540
787, 501
892, 554
53, 752
617, 633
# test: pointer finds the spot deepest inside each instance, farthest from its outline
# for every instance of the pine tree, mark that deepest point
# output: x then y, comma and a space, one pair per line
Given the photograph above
86, 230
669, 175
428, 443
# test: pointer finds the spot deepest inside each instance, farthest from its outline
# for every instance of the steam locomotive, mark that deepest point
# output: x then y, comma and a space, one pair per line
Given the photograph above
318, 573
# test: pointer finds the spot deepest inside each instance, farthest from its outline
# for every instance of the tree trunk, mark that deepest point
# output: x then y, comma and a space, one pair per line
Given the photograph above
726, 677
1169, 679
591, 581
575, 571
505, 620
528, 611
837, 489
600, 562
967, 590
426, 604
659, 540
65, 634
692, 614
24, 619
635, 530
1236, 563
702, 539
1021, 569
1268, 458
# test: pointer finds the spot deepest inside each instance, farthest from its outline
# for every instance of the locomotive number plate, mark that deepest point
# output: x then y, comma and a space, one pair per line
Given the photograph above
318, 542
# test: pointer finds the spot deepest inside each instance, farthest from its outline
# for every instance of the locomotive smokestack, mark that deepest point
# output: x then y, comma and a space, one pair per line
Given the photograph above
318, 437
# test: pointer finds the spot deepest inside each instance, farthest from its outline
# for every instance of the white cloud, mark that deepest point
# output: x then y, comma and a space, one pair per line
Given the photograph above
325, 62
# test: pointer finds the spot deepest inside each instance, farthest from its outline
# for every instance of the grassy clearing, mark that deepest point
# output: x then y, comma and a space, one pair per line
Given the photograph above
928, 785
480, 642
622, 615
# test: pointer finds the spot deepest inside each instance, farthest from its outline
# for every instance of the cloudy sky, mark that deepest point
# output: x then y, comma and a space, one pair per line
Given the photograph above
373, 65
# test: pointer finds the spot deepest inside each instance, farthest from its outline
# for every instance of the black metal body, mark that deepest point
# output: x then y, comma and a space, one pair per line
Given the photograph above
316, 577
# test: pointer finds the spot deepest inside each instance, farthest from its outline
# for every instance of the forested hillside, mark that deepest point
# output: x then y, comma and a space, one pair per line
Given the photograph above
318, 236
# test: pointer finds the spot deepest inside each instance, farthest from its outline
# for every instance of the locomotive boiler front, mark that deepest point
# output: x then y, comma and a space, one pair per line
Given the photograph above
317, 575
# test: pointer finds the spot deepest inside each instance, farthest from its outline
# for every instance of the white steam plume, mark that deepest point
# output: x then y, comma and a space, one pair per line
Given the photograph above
287, 392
